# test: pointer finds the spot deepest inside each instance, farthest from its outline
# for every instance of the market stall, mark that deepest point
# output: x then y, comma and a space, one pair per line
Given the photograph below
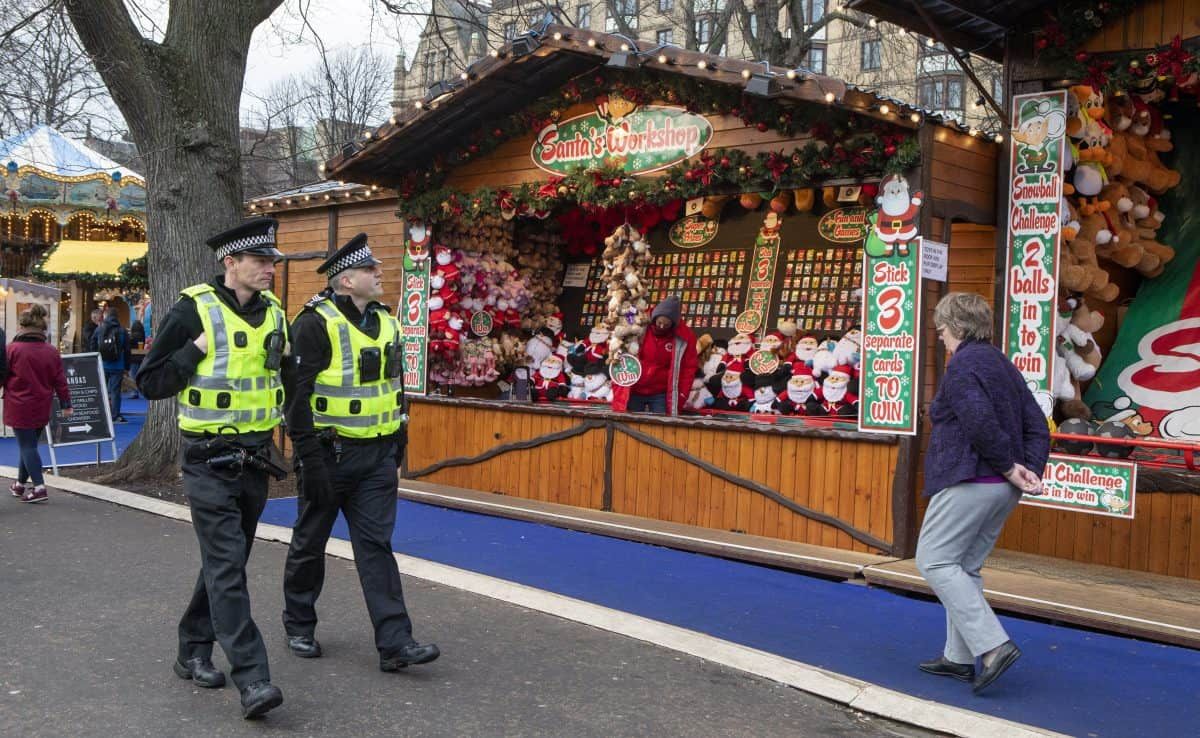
560, 188
95, 274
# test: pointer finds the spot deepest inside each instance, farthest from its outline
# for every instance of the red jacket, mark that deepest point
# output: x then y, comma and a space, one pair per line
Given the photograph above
35, 375
657, 355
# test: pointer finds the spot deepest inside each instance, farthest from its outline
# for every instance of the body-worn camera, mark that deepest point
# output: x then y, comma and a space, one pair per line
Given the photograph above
393, 365
370, 364
274, 347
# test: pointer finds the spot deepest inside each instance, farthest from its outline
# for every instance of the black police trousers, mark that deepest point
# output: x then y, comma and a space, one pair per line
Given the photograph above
225, 515
365, 483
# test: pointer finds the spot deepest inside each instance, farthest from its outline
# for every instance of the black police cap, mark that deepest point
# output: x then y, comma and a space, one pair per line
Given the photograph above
355, 254
254, 236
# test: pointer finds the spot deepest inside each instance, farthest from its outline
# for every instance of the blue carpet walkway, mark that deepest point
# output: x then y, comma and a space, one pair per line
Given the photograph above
1068, 680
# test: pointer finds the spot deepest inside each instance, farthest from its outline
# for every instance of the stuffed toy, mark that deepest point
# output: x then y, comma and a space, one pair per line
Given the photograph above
595, 346
1127, 251
540, 346
577, 390
846, 351
1080, 270
728, 392
711, 364
1078, 356
801, 396
1147, 219
835, 393
445, 266
555, 324
766, 388
596, 382
772, 343
788, 328
805, 352
1158, 141
737, 355
549, 385
625, 258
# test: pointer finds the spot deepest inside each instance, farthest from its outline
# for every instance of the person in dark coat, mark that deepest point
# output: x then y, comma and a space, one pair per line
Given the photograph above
988, 446
35, 376
95, 320
114, 368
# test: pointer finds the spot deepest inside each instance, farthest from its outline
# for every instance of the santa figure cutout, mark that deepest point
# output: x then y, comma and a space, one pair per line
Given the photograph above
835, 389
896, 221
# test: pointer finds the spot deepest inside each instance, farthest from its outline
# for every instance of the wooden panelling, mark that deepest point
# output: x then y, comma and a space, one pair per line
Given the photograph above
1152, 23
963, 169
847, 479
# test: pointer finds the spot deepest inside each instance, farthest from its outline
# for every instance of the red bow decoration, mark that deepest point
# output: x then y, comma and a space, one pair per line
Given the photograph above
777, 165
550, 189
1170, 61
1097, 74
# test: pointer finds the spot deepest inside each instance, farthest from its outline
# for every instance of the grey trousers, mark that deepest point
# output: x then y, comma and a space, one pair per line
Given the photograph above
961, 526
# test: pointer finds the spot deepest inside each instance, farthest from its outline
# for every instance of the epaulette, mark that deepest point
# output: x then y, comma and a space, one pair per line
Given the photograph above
316, 300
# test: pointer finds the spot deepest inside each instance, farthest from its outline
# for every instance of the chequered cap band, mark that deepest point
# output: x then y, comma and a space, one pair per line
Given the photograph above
247, 242
349, 260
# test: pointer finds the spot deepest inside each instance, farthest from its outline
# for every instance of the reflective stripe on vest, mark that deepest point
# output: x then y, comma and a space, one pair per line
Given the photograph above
231, 385
339, 399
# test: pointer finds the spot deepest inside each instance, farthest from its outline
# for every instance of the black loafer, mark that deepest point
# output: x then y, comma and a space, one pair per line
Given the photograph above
1006, 655
306, 647
409, 656
201, 671
941, 667
259, 698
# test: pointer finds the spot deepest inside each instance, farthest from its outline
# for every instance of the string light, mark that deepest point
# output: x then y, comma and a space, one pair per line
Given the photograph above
591, 43
558, 36
884, 109
702, 64
829, 97
662, 59
915, 117
998, 138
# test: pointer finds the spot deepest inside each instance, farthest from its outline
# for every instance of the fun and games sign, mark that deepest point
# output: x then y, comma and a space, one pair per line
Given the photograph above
844, 225
1097, 486
1034, 228
890, 348
636, 139
693, 232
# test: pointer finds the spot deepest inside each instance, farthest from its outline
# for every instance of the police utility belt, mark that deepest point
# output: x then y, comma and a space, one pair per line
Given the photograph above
227, 458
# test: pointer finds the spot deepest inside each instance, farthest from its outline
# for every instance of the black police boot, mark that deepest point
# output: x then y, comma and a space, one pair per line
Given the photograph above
941, 667
259, 698
306, 647
201, 671
410, 655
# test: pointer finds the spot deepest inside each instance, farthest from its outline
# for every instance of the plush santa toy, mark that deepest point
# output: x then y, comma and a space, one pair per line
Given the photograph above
577, 390
596, 383
737, 355
847, 351
446, 339
773, 343
835, 391
896, 221
549, 384
806, 349
713, 366
595, 346
539, 347
555, 324
444, 266
801, 396
729, 392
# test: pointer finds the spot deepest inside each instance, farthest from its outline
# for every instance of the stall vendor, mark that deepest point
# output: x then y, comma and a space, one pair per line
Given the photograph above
669, 361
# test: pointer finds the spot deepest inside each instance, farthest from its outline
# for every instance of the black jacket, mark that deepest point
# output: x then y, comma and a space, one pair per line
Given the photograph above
173, 357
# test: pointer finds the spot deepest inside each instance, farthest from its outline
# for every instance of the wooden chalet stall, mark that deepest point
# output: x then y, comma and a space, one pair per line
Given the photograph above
461, 162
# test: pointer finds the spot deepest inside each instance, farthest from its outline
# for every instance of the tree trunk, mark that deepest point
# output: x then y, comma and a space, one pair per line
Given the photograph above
180, 98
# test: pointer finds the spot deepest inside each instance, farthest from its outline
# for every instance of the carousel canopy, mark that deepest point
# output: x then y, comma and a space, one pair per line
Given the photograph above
100, 258
49, 153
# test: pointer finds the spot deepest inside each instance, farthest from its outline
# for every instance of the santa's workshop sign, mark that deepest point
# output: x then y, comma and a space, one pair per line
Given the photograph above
1097, 486
1035, 197
890, 349
414, 310
634, 138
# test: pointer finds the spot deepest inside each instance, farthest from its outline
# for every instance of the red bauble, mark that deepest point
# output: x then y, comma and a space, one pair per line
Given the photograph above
762, 127
497, 133
689, 175
1041, 44
473, 149
616, 182
889, 150
1081, 57
725, 161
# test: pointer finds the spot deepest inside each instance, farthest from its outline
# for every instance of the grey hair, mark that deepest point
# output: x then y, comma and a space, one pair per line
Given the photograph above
966, 314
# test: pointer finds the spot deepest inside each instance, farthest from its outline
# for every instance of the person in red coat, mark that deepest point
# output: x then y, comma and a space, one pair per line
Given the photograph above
35, 375
669, 360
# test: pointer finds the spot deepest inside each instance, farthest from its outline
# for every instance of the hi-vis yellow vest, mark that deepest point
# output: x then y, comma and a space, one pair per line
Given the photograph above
232, 386
341, 401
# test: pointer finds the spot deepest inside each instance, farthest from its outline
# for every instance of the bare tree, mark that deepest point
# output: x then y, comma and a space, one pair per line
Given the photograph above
180, 93
278, 146
46, 76
347, 92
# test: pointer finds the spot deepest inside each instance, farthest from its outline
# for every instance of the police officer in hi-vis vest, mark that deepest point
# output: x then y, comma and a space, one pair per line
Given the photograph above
346, 417
220, 353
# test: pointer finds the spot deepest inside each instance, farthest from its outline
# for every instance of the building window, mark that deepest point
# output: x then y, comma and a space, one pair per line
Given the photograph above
816, 10
666, 6
942, 95
510, 30
816, 59
998, 90
666, 37
445, 65
929, 47
704, 29
872, 53
628, 11
430, 66
583, 16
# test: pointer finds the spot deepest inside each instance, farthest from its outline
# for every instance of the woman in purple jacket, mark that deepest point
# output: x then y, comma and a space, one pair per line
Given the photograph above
989, 444
35, 375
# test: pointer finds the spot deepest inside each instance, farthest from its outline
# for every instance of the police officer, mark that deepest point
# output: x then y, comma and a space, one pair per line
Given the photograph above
347, 424
220, 352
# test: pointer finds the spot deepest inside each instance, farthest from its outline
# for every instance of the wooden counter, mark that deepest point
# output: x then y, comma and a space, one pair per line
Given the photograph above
807, 485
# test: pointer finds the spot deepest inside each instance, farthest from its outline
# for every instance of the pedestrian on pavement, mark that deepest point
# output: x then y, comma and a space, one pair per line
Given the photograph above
219, 352
137, 339
95, 320
989, 444
111, 341
346, 417
668, 357
34, 376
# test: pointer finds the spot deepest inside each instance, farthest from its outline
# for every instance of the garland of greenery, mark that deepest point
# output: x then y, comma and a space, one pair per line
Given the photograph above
845, 145
1172, 68
127, 276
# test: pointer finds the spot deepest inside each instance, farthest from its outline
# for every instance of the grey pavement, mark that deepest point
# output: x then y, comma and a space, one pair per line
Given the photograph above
90, 594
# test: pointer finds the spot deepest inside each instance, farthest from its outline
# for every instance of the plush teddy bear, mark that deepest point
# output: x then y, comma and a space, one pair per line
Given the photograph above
1078, 356
1080, 270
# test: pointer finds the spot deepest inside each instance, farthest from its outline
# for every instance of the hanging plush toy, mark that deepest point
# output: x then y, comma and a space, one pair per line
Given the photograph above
626, 257
801, 396
835, 392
